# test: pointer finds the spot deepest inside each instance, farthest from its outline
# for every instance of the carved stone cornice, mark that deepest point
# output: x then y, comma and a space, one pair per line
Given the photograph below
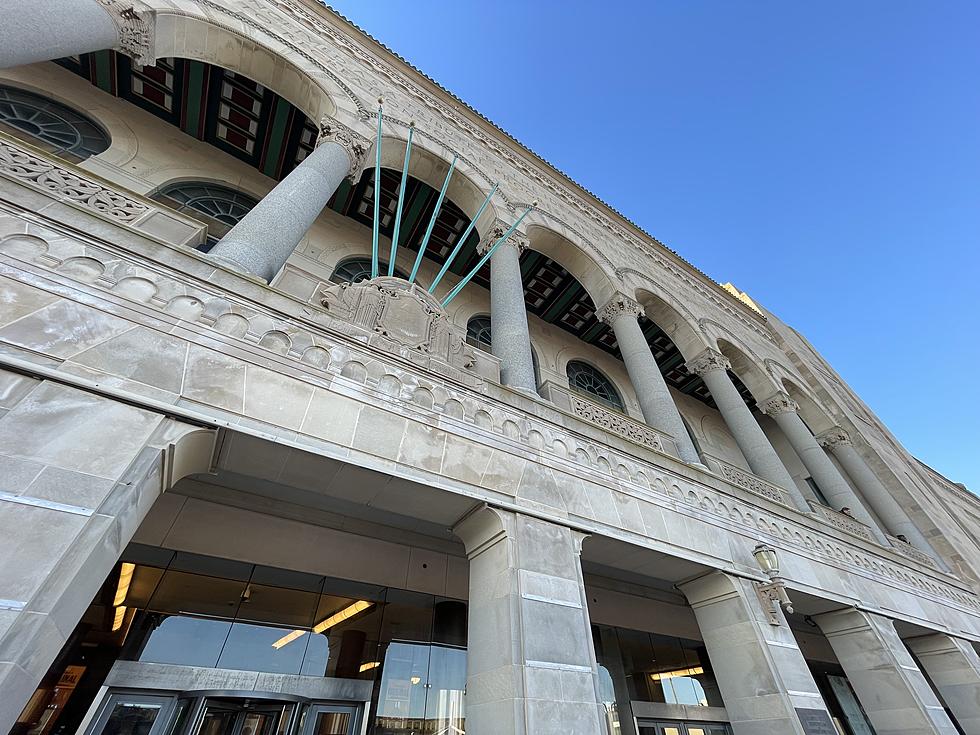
834, 437
517, 239
135, 25
616, 307
779, 403
707, 361
353, 143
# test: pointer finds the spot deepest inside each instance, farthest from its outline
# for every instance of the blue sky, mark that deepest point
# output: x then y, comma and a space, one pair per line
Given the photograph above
824, 157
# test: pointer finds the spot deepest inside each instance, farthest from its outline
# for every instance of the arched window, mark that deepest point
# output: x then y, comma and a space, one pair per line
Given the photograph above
355, 270
585, 379
221, 206
478, 332
50, 125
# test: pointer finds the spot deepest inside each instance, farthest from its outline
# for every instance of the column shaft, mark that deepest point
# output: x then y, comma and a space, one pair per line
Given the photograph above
953, 666
42, 30
659, 409
831, 483
760, 669
885, 506
508, 317
893, 692
530, 661
264, 239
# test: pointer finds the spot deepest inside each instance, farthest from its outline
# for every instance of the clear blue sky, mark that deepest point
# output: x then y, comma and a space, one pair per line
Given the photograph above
825, 157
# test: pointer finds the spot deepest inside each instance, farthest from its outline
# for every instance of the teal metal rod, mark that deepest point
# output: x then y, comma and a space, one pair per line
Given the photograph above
476, 269
462, 240
401, 201
432, 222
377, 196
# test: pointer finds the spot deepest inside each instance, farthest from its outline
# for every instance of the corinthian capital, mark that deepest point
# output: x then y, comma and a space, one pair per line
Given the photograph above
706, 361
834, 437
516, 240
779, 403
616, 307
134, 24
353, 144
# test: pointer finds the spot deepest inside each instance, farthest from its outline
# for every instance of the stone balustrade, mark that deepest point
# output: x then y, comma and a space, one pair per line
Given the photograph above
842, 521
746, 480
906, 549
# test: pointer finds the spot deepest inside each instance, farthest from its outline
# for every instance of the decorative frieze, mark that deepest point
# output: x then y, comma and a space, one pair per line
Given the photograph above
616, 307
908, 550
616, 423
707, 361
779, 403
17, 163
353, 144
750, 482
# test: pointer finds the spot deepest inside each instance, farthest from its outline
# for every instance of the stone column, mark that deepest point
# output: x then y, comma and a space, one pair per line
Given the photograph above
531, 665
510, 340
785, 412
659, 409
71, 497
953, 666
760, 669
42, 30
882, 502
264, 238
713, 368
892, 690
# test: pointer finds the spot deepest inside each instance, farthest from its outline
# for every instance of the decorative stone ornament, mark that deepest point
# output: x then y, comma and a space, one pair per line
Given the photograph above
779, 403
707, 361
404, 314
517, 240
135, 27
616, 307
353, 144
834, 437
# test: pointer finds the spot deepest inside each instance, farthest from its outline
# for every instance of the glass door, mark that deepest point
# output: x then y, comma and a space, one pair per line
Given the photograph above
328, 719
133, 714
244, 717
683, 728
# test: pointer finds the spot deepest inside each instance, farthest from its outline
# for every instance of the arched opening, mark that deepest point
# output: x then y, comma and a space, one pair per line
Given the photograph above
357, 269
479, 332
50, 125
219, 207
222, 107
590, 381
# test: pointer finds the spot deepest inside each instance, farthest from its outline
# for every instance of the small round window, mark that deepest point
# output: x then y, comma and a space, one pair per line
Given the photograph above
221, 206
50, 125
585, 379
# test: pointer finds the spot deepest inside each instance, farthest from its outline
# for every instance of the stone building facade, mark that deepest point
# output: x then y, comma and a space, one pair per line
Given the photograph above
249, 489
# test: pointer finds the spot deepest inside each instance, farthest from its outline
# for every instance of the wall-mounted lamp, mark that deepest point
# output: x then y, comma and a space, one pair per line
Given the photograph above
772, 594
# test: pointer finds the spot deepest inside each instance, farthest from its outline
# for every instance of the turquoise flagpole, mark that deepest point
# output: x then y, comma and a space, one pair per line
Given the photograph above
462, 240
401, 202
432, 222
476, 269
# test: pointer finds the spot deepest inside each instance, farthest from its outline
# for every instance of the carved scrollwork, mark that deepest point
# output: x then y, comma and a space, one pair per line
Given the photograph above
498, 230
843, 521
750, 482
616, 307
706, 361
353, 144
135, 28
615, 423
779, 403
835, 437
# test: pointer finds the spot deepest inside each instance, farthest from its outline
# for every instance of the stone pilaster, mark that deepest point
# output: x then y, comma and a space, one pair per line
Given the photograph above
892, 690
659, 410
713, 368
953, 667
761, 672
785, 412
530, 661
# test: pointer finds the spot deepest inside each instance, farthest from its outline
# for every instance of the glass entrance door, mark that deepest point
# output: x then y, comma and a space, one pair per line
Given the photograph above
244, 717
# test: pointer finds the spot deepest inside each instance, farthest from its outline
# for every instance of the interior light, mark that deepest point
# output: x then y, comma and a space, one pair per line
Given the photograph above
369, 665
118, 620
415, 679
327, 623
693, 671
126, 570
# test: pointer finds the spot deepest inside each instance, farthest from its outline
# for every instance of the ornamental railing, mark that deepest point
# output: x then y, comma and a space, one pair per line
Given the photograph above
745, 479
843, 521
907, 550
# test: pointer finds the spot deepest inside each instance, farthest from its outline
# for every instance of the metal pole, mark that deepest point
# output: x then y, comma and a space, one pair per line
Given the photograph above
462, 240
466, 279
377, 195
401, 201
432, 222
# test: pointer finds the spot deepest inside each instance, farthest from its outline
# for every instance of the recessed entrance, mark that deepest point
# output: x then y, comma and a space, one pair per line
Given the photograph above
647, 727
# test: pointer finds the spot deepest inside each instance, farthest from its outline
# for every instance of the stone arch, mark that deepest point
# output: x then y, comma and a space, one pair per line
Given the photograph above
748, 369
816, 418
674, 320
593, 275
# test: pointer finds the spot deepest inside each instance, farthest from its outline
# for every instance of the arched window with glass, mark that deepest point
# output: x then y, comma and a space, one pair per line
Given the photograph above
355, 270
479, 333
219, 207
50, 125
587, 380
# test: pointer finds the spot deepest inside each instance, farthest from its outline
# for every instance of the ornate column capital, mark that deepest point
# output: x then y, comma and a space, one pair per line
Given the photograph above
616, 307
517, 239
834, 437
779, 403
706, 361
135, 24
353, 143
